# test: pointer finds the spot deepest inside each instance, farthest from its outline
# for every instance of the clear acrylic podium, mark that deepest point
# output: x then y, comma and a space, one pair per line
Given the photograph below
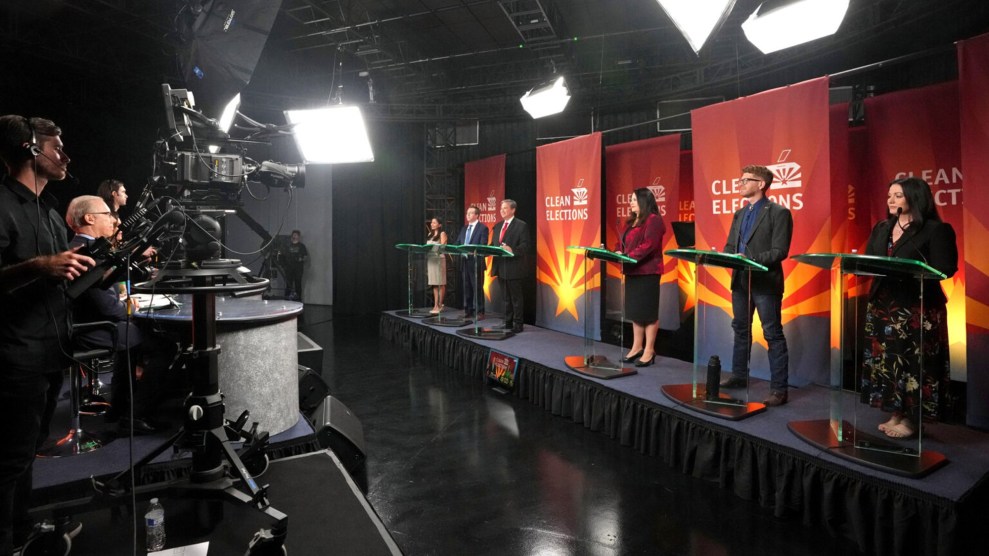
457, 319
859, 439
703, 393
476, 331
419, 250
591, 363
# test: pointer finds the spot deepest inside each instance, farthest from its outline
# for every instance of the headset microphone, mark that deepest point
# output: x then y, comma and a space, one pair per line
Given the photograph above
37, 151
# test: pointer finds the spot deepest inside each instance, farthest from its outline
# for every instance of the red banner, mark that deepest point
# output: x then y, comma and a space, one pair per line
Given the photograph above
652, 163
786, 129
916, 133
484, 188
568, 197
973, 82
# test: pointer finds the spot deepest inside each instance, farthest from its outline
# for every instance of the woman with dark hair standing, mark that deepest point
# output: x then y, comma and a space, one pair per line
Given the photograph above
892, 378
643, 241
436, 265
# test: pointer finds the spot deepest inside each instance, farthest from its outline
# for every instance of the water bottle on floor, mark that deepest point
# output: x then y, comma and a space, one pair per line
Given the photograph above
154, 525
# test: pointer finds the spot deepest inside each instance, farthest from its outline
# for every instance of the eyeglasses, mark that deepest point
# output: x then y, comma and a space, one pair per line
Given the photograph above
743, 181
107, 212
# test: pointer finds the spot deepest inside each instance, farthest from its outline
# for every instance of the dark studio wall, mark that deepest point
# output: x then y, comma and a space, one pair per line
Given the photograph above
375, 206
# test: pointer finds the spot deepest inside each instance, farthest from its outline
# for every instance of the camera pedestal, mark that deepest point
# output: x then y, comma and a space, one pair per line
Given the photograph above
204, 432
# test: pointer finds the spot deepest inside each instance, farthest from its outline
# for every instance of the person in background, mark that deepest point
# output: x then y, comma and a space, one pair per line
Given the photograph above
296, 256
114, 194
642, 240
512, 235
892, 378
474, 233
436, 265
35, 263
761, 230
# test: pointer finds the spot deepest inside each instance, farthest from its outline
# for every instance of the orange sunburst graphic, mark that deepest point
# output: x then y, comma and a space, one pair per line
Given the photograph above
564, 271
977, 307
488, 280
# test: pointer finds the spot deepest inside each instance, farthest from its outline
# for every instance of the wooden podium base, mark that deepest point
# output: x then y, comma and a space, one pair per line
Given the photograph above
598, 367
874, 451
724, 406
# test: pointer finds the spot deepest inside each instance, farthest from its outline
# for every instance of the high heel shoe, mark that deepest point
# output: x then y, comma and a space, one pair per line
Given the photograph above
641, 363
632, 357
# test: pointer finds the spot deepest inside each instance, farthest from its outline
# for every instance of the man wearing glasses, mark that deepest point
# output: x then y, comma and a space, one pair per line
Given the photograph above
761, 230
90, 218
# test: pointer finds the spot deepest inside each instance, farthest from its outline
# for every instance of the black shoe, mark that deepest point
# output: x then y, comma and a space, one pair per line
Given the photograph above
632, 357
505, 326
734, 382
137, 426
517, 329
641, 363
776, 398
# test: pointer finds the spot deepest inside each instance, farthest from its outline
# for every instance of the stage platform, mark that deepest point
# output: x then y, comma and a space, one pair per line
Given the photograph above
757, 459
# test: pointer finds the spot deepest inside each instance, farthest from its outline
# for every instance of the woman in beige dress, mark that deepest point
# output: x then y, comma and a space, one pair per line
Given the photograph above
436, 265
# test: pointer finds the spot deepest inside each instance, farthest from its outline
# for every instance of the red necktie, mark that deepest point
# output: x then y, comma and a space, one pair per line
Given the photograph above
501, 238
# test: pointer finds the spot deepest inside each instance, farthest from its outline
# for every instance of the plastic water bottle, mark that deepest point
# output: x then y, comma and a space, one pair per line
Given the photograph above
154, 525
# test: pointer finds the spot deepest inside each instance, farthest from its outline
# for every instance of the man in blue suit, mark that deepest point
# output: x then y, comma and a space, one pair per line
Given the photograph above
474, 233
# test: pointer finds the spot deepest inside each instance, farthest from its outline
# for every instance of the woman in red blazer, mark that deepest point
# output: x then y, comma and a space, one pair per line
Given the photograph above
643, 241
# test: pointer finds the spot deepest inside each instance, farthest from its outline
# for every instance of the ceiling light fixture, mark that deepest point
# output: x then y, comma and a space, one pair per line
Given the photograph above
331, 135
776, 25
547, 99
697, 20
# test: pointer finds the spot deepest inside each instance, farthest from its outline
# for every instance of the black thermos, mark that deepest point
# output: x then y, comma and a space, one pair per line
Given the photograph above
713, 377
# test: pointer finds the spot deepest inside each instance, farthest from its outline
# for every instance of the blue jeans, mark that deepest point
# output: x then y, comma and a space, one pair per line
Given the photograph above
770, 309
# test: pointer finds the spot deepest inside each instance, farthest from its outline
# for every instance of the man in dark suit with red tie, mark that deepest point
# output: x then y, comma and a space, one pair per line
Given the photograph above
472, 271
512, 235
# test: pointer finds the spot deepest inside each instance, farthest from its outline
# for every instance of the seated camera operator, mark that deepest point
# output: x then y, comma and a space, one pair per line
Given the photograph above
90, 218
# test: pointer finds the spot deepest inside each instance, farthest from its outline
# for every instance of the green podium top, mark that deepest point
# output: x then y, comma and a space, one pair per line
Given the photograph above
872, 265
716, 258
483, 250
415, 247
603, 254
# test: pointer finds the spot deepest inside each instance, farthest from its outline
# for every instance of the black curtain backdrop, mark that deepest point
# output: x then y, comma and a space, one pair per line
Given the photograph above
375, 206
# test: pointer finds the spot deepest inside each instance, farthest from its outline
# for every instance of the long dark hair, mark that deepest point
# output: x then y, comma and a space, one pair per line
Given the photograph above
919, 198
647, 206
434, 234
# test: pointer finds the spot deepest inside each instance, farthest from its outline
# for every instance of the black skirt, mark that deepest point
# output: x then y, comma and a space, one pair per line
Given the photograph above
642, 298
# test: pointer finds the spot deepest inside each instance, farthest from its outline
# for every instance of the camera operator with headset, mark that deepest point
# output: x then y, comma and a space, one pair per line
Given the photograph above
35, 263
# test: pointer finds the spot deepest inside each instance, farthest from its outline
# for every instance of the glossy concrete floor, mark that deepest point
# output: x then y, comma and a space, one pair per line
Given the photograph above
456, 468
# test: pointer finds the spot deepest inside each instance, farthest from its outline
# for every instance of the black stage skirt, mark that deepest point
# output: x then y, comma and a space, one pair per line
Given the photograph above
642, 298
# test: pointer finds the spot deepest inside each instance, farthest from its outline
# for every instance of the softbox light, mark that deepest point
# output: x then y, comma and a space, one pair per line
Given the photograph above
546, 100
697, 20
331, 135
221, 46
777, 25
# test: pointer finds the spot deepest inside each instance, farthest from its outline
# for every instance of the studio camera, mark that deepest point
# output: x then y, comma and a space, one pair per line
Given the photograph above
198, 163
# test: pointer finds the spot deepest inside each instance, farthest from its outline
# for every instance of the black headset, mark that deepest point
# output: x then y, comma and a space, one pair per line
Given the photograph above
33, 148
